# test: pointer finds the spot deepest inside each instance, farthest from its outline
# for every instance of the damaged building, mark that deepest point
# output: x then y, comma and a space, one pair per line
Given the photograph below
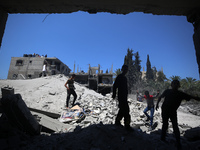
30, 66
95, 79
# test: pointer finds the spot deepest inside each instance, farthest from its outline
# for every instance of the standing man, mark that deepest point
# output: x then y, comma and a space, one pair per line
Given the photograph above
121, 85
70, 90
172, 101
44, 69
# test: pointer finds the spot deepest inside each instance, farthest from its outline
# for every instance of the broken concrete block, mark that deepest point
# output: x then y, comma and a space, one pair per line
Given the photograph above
7, 91
50, 114
51, 123
19, 115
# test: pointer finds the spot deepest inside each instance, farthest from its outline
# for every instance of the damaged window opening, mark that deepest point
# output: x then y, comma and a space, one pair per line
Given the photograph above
19, 63
29, 76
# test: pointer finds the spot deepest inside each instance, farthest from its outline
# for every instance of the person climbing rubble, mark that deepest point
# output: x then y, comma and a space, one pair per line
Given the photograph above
172, 100
70, 90
150, 107
121, 84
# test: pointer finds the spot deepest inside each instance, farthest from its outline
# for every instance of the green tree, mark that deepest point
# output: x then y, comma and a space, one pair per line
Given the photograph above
149, 72
137, 72
189, 85
161, 77
128, 60
137, 66
190, 82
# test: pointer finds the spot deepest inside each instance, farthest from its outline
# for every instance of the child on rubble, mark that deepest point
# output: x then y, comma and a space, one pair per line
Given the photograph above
70, 90
150, 107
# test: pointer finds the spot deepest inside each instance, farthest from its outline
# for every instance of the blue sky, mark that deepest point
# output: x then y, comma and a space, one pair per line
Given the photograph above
102, 38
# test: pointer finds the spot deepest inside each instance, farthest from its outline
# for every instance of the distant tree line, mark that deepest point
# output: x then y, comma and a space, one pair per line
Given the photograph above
153, 80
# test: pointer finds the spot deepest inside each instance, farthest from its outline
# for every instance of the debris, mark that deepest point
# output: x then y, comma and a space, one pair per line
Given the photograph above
92, 121
7, 91
50, 114
52, 124
19, 115
75, 113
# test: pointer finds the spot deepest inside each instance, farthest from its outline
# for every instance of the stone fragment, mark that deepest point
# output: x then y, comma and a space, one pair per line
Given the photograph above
52, 93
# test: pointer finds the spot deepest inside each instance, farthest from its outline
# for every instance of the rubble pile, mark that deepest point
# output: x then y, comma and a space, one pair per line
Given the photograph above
90, 125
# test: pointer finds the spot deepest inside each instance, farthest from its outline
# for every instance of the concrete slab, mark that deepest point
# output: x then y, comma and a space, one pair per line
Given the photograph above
51, 123
50, 114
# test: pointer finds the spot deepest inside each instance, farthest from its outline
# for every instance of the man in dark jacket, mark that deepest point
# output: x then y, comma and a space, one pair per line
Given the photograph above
121, 85
172, 101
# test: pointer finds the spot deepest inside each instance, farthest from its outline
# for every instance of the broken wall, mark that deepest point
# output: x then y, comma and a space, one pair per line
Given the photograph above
29, 67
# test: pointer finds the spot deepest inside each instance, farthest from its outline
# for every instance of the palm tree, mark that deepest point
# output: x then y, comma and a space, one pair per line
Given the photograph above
189, 85
190, 81
175, 78
116, 73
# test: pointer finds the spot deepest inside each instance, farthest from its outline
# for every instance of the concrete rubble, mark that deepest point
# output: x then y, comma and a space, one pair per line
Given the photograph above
98, 113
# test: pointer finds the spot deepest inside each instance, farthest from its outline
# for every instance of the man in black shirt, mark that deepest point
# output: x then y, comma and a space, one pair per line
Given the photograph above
121, 85
172, 101
70, 90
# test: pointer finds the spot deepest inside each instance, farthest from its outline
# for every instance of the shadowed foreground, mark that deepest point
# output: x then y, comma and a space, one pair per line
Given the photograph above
101, 137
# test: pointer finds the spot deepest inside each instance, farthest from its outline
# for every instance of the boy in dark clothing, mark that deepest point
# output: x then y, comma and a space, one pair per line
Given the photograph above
121, 85
70, 90
172, 101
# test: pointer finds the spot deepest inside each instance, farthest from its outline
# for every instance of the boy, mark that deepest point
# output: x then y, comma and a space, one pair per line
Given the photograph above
70, 90
150, 107
172, 101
